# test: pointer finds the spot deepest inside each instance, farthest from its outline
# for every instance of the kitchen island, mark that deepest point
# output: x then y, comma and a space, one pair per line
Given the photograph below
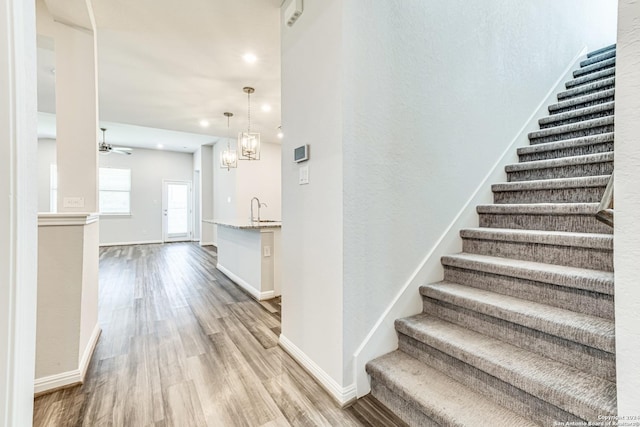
249, 254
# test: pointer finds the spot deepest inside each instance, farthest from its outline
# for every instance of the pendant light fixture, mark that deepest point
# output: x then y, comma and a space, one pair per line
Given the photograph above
229, 157
249, 142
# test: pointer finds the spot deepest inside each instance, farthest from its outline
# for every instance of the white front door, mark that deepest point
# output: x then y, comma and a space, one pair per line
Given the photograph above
176, 211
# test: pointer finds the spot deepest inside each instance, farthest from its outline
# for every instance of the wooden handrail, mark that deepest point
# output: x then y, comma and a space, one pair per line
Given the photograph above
605, 209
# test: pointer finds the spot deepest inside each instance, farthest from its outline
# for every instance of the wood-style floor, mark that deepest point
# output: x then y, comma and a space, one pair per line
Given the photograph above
182, 345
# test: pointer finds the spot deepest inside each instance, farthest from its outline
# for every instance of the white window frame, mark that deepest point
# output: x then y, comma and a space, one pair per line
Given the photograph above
101, 189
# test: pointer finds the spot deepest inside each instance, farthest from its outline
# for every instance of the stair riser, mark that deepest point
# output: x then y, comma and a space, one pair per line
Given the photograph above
577, 150
591, 360
588, 89
596, 259
503, 393
603, 58
595, 67
590, 78
576, 119
405, 410
572, 134
584, 104
579, 223
554, 195
570, 171
578, 300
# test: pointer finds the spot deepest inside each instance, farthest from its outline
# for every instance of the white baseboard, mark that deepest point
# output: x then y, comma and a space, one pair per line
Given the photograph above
342, 395
69, 378
52, 382
88, 351
141, 242
207, 244
245, 285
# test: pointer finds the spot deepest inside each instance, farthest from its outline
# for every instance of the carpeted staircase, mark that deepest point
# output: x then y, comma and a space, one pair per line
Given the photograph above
520, 332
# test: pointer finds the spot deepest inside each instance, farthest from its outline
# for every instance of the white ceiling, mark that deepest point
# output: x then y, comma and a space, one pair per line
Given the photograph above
164, 64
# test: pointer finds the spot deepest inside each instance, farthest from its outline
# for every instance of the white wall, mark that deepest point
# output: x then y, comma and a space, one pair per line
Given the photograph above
412, 102
18, 229
46, 158
208, 232
312, 91
425, 124
627, 208
234, 188
148, 169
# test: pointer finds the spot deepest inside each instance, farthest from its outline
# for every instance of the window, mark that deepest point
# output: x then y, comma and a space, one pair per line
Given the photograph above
53, 188
115, 191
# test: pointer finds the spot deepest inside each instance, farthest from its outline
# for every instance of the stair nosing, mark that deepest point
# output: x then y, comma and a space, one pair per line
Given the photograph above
581, 99
572, 127
542, 237
552, 184
595, 67
555, 321
405, 383
595, 86
571, 114
601, 138
602, 50
583, 159
596, 59
592, 77
528, 371
558, 275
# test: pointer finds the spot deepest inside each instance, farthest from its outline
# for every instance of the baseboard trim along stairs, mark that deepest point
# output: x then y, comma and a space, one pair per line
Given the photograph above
521, 329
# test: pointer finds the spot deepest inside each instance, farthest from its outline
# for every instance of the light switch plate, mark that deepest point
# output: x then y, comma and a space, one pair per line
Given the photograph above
73, 202
304, 175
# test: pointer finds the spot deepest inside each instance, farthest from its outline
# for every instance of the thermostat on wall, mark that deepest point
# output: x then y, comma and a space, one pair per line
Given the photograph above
301, 153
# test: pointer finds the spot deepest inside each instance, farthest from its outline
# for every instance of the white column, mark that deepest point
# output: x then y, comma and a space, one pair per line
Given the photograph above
76, 119
18, 206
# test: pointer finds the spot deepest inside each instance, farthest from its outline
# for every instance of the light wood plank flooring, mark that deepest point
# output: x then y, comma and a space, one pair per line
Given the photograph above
182, 345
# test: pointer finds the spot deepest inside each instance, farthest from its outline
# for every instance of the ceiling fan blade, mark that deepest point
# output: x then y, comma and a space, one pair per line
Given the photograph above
121, 151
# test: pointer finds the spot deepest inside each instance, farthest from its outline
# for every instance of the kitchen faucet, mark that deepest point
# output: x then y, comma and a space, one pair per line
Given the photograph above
259, 205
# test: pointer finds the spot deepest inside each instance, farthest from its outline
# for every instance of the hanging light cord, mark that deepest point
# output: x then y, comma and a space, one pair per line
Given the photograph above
249, 110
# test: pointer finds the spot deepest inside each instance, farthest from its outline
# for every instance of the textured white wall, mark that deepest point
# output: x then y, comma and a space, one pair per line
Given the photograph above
627, 208
434, 92
407, 105
312, 214
148, 169
207, 203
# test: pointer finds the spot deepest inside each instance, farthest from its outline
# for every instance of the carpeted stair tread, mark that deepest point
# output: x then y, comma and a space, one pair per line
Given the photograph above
575, 217
568, 388
598, 75
594, 67
573, 127
567, 143
581, 100
439, 397
563, 161
545, 184
558, 275
597, 58
581, 328
578, 114
540, 237
601, 50
586, 89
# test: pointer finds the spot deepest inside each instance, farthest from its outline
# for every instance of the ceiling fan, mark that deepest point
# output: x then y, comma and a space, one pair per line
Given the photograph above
105, 148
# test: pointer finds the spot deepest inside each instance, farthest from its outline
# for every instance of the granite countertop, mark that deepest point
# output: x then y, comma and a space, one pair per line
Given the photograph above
246, 224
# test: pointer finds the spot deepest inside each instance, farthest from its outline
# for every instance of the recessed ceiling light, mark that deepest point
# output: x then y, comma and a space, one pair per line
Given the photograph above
249, 58
280, 135
160, 146
204, 123
266, 108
